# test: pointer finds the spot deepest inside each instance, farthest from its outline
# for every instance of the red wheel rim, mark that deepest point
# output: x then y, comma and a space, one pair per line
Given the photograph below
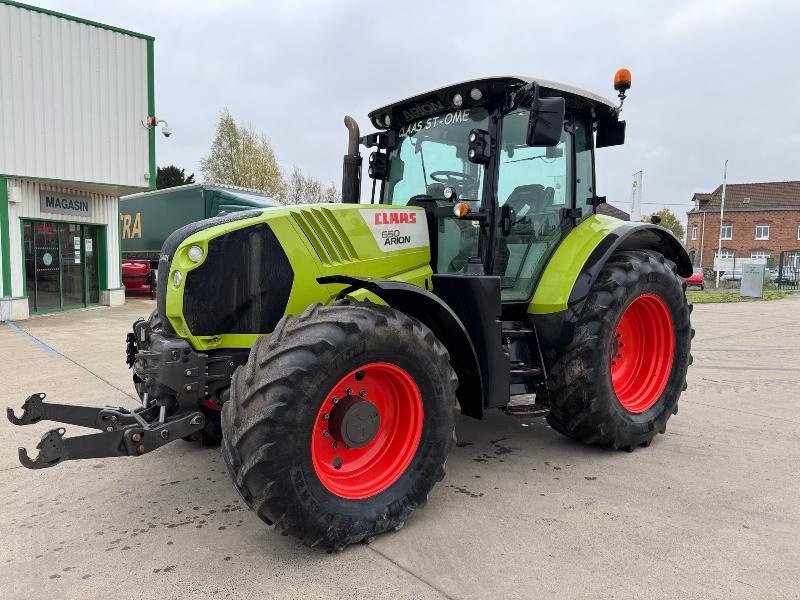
356, 473
642, 353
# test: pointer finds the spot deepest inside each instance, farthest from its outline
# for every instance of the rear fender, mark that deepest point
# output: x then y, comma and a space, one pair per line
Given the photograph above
575, 265
440, 319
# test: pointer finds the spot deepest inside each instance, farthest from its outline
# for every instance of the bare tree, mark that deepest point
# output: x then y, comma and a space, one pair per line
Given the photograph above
331, 193
304, 189
295, 187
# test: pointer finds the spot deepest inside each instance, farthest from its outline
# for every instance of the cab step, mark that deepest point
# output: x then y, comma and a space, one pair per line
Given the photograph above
518, 333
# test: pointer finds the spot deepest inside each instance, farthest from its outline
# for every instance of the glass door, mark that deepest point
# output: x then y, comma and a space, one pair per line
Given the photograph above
533, 182
30, 262
72, 281
90, 259
61, 265
47, 270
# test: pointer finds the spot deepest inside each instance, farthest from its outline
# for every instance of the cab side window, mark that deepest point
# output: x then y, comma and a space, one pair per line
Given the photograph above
535, 182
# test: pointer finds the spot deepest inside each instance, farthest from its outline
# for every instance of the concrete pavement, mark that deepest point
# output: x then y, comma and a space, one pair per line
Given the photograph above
710, 510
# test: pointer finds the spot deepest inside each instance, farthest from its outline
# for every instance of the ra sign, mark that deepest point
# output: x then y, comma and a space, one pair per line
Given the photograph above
64, 204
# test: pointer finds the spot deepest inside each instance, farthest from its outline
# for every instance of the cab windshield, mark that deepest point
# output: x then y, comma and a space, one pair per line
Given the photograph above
431, 154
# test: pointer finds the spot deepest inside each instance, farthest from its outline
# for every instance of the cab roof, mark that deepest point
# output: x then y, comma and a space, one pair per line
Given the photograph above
440, 100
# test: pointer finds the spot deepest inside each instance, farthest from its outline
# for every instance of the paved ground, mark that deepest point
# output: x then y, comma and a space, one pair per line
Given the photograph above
710, 510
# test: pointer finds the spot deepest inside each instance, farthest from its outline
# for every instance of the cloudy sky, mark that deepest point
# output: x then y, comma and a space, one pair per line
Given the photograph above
712, 79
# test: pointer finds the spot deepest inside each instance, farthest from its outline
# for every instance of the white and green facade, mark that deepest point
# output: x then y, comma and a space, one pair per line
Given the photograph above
74, 99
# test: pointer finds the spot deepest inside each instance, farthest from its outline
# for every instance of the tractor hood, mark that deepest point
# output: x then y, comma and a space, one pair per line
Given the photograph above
486, 91
225, 281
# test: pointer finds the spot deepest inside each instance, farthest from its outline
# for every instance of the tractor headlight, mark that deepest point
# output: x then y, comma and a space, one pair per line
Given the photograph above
458, 100
475, 94
195, 253
177, 278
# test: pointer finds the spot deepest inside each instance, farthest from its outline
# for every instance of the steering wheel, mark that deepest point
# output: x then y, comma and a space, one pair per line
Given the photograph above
453, 178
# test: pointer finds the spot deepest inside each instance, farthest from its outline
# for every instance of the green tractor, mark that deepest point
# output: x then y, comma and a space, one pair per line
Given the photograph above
329, 347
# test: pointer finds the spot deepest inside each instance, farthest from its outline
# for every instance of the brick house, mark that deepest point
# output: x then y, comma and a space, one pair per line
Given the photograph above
760, 221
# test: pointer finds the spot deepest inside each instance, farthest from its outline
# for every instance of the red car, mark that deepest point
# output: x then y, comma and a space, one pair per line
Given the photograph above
696, 279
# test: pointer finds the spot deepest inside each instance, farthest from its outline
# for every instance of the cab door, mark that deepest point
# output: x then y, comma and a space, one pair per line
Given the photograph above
536, 183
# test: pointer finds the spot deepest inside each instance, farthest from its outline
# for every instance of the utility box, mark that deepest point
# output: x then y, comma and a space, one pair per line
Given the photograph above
752, 280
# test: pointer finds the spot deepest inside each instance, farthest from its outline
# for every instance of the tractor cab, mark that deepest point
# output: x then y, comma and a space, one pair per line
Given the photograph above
504, 168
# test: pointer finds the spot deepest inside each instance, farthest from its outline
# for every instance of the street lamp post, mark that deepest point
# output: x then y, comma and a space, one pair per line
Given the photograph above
721, 215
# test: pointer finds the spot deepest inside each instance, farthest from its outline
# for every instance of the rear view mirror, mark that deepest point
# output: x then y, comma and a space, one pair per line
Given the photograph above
610, 132
546, 121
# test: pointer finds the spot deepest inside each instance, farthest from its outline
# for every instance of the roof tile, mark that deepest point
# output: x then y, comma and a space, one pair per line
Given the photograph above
773, 195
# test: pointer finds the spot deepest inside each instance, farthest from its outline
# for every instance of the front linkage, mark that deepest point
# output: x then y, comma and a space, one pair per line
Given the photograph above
173, 382
124, 432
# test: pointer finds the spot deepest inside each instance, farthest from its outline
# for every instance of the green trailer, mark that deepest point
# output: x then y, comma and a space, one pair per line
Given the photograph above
147, 219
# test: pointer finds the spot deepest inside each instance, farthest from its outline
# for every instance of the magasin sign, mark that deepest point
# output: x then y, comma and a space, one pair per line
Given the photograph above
64, 204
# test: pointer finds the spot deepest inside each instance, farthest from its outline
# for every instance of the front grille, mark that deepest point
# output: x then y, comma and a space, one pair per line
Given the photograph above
171, 245
329, 240
242, 286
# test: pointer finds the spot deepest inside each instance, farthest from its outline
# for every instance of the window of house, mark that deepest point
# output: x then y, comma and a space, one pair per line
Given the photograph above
727, 231
798, 232
694, 232
760, 254
724, 254
762, 232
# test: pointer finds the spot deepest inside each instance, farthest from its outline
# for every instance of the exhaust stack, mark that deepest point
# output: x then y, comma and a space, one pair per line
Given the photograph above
351, 169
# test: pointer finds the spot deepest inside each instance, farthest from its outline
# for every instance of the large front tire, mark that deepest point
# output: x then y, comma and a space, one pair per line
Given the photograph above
340, 423
618, 382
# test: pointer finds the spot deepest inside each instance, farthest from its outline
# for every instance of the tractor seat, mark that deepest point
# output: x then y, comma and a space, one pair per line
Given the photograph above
537, 197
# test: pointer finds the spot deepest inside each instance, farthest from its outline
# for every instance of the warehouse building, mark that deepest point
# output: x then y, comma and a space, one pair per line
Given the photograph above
76, 133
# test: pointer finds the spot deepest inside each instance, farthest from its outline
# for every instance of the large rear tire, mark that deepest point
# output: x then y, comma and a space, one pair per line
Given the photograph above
618, 383
340, 423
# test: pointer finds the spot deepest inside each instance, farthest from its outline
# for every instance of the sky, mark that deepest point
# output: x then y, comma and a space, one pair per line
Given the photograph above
712, 79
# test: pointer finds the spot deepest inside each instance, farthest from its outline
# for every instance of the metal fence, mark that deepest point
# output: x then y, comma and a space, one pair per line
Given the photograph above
788, 274
730, 268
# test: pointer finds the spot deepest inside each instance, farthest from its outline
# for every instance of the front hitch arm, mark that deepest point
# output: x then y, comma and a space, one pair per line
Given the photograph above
123, 433
54, 448
107, 418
